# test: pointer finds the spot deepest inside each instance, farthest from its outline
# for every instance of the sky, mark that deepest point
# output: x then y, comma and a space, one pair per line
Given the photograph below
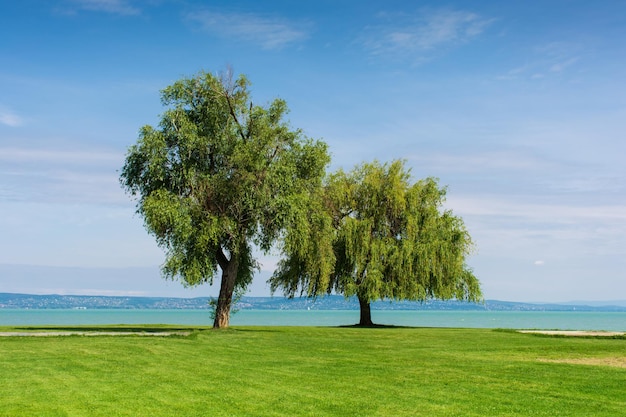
519, 108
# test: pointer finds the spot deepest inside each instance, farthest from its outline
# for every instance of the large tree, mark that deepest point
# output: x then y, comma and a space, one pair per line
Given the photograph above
391, 239
218, 177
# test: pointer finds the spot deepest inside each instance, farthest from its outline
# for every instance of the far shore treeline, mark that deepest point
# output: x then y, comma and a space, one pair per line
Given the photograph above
331, 302
221, 177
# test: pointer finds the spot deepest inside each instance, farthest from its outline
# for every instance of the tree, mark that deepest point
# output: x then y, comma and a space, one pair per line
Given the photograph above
391, 239
219, 176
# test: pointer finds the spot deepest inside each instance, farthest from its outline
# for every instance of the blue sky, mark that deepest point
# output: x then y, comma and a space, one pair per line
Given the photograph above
518, 107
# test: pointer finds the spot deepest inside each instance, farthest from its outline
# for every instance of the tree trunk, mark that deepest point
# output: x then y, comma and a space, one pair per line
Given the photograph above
227, 287
366, 312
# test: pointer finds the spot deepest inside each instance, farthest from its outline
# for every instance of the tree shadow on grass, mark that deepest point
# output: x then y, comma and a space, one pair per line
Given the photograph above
375, 326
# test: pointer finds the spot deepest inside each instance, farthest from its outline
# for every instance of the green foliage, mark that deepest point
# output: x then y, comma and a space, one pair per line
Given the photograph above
218, 176
387, 238
308, 371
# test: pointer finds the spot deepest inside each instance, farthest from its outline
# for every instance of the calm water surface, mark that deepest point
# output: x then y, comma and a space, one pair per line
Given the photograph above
569, 320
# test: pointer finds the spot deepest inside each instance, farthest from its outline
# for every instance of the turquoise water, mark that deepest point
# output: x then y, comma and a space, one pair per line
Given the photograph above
569, 320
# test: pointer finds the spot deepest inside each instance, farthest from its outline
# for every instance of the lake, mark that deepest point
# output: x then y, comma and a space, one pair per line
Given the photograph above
569, 320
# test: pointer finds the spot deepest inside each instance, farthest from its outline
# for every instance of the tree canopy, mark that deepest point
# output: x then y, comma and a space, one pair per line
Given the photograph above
389, 239
220, 175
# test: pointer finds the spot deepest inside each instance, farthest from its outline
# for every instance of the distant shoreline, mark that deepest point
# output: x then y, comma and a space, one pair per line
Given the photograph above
333, 302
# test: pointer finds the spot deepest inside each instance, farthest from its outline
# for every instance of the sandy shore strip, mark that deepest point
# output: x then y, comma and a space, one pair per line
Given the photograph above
97, 333
598, 333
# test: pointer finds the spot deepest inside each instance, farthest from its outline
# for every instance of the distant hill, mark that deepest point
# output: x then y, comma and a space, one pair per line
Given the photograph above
333, 302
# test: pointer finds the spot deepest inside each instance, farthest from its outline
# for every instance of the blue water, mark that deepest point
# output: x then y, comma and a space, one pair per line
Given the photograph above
570, 320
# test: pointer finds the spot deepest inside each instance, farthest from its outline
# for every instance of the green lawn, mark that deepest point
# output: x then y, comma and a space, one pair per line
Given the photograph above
308, 371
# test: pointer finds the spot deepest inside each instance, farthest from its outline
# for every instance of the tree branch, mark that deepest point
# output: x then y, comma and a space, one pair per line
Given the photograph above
222, 260
231, 110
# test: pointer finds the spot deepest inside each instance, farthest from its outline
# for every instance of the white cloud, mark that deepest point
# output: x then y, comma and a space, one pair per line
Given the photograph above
506, 226
539, 263
121, 7
557, 213
416, 35
562, 65
501, 161
62, 176
269, 32
554, 58
9, 118
59, 156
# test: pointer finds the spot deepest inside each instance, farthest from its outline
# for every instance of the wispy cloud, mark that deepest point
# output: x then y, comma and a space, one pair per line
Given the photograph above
269, 32
9, 118
551, 58
417, 36
563, 64
120, 7
59, 156
525, 227
43, 175
529, 211
487, 161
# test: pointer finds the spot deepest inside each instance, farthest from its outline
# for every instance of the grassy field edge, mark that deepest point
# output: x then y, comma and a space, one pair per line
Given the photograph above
310, 371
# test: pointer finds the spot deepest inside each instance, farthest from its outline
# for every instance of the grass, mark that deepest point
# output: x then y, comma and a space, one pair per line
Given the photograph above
308, 371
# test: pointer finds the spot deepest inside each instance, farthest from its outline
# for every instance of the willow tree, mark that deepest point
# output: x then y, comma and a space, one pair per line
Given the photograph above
391, 239
219, 176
